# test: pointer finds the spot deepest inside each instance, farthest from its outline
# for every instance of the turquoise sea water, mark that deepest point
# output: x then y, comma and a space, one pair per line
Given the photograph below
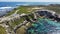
43, 26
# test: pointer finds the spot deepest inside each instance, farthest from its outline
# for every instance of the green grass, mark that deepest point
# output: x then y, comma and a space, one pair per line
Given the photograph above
24, 10
2, 30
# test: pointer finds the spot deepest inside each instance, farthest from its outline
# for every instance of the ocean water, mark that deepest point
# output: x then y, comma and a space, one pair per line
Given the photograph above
5, 6
13, 4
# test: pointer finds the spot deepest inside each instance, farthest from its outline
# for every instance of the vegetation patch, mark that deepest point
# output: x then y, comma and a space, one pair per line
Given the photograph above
16, 22
2, 30
21, 30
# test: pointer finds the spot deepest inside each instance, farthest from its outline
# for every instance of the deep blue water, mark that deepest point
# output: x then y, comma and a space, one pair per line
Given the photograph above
13, 4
